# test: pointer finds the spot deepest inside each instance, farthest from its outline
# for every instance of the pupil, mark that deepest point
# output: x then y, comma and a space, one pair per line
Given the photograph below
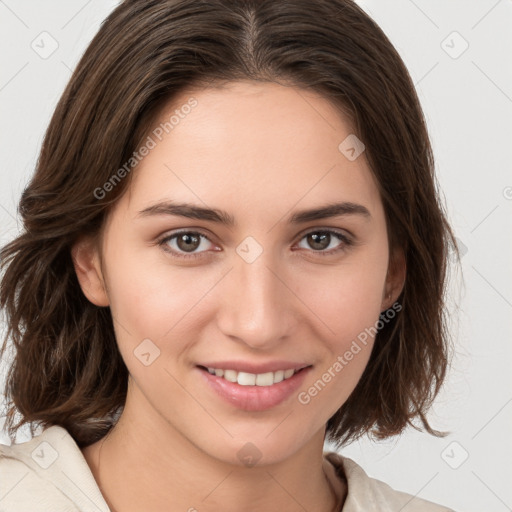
319, 244
187, 239
189, 242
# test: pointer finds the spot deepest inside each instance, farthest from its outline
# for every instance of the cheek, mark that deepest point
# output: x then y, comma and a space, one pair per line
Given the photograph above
152, 305
332, 385
351, 316
148, 298
348, 298
348, 304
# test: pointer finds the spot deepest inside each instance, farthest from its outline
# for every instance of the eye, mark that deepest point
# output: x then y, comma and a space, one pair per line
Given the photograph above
184, 243
320, 240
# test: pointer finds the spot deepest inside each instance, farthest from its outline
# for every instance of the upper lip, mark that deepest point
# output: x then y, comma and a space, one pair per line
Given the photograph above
256, 368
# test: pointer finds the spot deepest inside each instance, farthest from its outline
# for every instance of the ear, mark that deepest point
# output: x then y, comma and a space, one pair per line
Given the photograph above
85, 254
395, 278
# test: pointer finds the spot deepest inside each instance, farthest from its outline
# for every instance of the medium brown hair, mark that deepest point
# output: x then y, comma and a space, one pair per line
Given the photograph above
67, 369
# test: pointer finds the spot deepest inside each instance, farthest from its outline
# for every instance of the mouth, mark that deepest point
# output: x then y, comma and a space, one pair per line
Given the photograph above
253, 379
248, 391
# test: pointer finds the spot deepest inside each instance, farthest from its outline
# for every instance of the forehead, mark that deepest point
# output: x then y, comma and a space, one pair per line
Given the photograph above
253, 144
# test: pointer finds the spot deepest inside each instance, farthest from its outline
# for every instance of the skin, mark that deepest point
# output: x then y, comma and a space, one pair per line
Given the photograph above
260, 151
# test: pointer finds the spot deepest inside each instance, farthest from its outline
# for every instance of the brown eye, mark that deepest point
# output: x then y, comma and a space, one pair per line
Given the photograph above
185, 244
320, 240
188, 242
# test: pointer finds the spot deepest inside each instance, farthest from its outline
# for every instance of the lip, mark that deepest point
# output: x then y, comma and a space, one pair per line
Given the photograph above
254, 398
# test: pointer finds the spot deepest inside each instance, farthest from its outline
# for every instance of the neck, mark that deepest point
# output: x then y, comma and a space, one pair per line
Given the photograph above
142, 465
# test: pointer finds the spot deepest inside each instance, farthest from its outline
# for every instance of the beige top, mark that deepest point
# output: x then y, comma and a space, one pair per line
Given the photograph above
50, 474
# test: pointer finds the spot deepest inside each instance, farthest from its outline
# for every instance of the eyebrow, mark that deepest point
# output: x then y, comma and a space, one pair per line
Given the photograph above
192, 211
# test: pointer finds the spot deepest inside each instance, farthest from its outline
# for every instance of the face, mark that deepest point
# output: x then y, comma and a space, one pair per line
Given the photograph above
213, 317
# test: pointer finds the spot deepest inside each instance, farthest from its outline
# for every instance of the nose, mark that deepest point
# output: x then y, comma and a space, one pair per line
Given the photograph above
257, 302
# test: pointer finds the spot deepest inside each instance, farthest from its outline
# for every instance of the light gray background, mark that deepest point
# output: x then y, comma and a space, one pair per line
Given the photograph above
467, 98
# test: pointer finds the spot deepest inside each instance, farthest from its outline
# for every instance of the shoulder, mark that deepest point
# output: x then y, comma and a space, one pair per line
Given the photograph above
369, 494
47, 473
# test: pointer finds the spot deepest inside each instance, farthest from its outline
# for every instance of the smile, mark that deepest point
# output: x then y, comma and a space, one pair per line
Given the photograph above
253, 391
253, 379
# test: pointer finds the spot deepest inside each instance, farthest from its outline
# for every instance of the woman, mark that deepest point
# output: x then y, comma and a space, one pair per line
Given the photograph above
233, 251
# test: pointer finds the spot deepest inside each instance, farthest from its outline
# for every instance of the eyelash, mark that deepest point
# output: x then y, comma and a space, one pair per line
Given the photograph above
346, 243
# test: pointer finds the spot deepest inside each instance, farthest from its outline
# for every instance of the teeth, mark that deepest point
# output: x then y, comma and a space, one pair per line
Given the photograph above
263, 379
230, 375
246, 379
252, 379
288, 373
278, 376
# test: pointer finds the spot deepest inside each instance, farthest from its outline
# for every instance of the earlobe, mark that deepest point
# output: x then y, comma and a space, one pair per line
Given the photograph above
395, 279
86, 260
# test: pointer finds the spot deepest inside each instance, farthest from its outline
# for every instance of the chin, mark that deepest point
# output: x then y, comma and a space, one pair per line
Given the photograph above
256, 447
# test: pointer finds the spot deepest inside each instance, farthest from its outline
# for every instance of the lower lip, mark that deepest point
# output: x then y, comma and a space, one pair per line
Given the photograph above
254, 398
